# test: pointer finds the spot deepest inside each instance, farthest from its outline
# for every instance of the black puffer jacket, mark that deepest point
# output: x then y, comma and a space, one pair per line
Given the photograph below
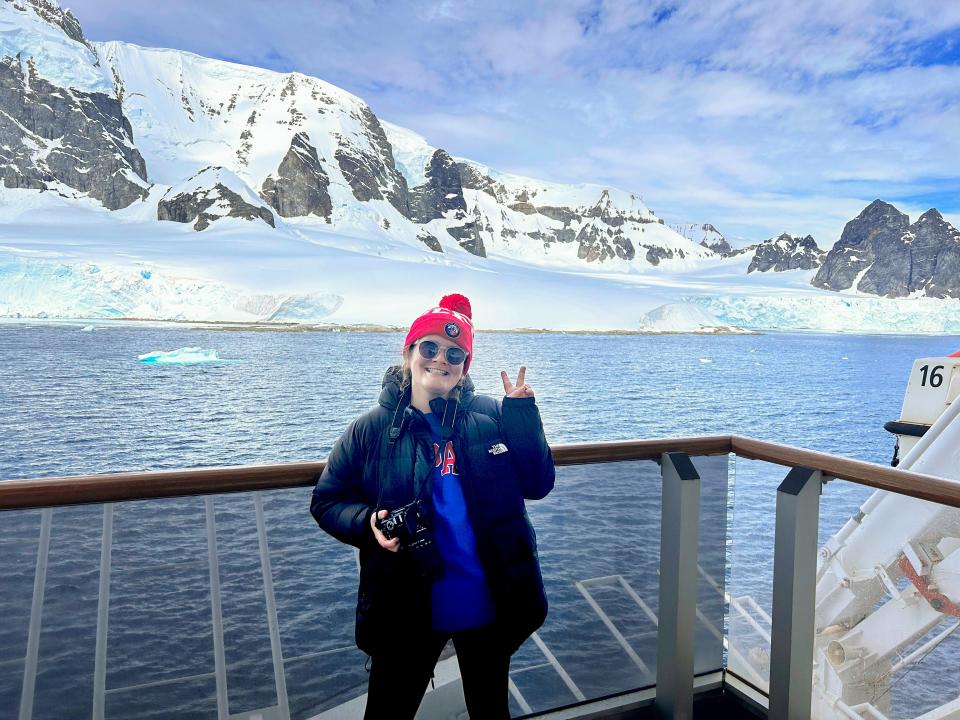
393, 603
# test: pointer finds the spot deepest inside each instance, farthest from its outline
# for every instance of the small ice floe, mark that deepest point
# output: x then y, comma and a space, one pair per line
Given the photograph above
87, 328
844, 358
706, 360
181, 356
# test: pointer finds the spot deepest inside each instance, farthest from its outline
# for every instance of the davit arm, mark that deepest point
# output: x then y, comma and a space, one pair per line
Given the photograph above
889, 577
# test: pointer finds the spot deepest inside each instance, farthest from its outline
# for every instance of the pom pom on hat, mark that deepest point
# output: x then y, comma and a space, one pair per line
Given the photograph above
457, 303
451, 319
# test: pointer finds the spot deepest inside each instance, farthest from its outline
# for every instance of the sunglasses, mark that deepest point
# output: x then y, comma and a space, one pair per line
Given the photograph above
429, 350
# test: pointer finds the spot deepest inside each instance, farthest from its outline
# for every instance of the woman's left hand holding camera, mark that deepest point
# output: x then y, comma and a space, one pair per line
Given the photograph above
391, 545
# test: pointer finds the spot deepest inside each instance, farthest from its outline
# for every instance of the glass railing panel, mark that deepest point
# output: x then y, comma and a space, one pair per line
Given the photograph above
244, 603
753, 501
599, 539
69, 609
599, 534
888, 606
712, 562
159, 643
315, 581
18, 562
155, 605
599, 543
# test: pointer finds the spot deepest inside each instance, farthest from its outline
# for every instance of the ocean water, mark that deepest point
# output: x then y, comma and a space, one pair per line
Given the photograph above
79, 402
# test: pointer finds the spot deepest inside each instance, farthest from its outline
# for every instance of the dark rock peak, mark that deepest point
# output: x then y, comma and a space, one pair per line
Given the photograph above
932, 215
604, 209
706, 235
887, 256
721, 247
441, 164
880, 210
468, 236
187, 207
472, 179
875, 233
301, 187
719, 244
786, 252
604, 202
372, 174
300, 144
441, 193
795, 241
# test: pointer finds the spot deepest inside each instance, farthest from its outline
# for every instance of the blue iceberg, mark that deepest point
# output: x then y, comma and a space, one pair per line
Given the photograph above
181, 356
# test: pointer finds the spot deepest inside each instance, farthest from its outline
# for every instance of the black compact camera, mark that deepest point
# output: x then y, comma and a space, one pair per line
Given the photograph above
409, 523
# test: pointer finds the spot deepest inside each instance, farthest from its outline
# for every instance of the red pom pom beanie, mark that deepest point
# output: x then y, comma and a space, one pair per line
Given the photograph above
452, 319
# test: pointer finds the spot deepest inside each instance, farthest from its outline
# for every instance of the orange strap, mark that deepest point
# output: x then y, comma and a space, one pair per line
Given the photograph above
938, 601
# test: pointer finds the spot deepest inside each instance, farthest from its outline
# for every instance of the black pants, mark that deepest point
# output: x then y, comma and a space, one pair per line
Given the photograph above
398, 680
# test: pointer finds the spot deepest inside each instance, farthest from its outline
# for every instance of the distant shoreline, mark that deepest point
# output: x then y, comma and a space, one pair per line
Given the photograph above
260, 326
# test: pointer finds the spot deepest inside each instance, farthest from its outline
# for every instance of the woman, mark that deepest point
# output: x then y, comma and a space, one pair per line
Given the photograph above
464, 563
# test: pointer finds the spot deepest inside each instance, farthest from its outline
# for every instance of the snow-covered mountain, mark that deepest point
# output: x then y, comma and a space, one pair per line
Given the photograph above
786, 252
313, 151
309, 149
707, 236
157, 183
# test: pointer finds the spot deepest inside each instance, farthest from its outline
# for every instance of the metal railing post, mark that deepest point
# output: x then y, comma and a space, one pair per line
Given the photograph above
216, 612
36, 616
103, 616
679, 534
273, 623
794, 594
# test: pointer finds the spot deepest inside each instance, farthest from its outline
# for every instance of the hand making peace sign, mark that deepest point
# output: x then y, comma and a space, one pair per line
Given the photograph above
521, 389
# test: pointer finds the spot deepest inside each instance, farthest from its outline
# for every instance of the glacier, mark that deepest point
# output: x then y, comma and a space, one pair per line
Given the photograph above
686, 317
33, 287
837, 313
68, 64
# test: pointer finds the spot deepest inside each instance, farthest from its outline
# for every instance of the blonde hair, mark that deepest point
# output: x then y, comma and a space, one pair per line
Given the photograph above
405, 375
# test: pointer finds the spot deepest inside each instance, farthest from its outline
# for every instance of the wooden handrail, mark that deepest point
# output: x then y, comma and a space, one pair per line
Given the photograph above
597, 452
119, 487
882, 477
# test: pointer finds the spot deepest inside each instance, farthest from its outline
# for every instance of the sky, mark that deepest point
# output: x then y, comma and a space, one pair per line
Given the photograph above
757, 116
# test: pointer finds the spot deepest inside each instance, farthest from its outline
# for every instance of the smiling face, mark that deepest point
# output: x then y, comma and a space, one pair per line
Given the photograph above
431, 378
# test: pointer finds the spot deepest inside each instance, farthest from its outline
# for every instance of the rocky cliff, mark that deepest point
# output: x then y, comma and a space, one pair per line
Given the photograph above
71, 138
880, 252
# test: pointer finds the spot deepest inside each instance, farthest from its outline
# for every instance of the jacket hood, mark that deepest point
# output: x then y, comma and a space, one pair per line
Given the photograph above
390, 390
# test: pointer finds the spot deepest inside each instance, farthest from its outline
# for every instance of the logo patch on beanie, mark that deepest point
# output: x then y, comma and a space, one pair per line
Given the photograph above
452, 329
